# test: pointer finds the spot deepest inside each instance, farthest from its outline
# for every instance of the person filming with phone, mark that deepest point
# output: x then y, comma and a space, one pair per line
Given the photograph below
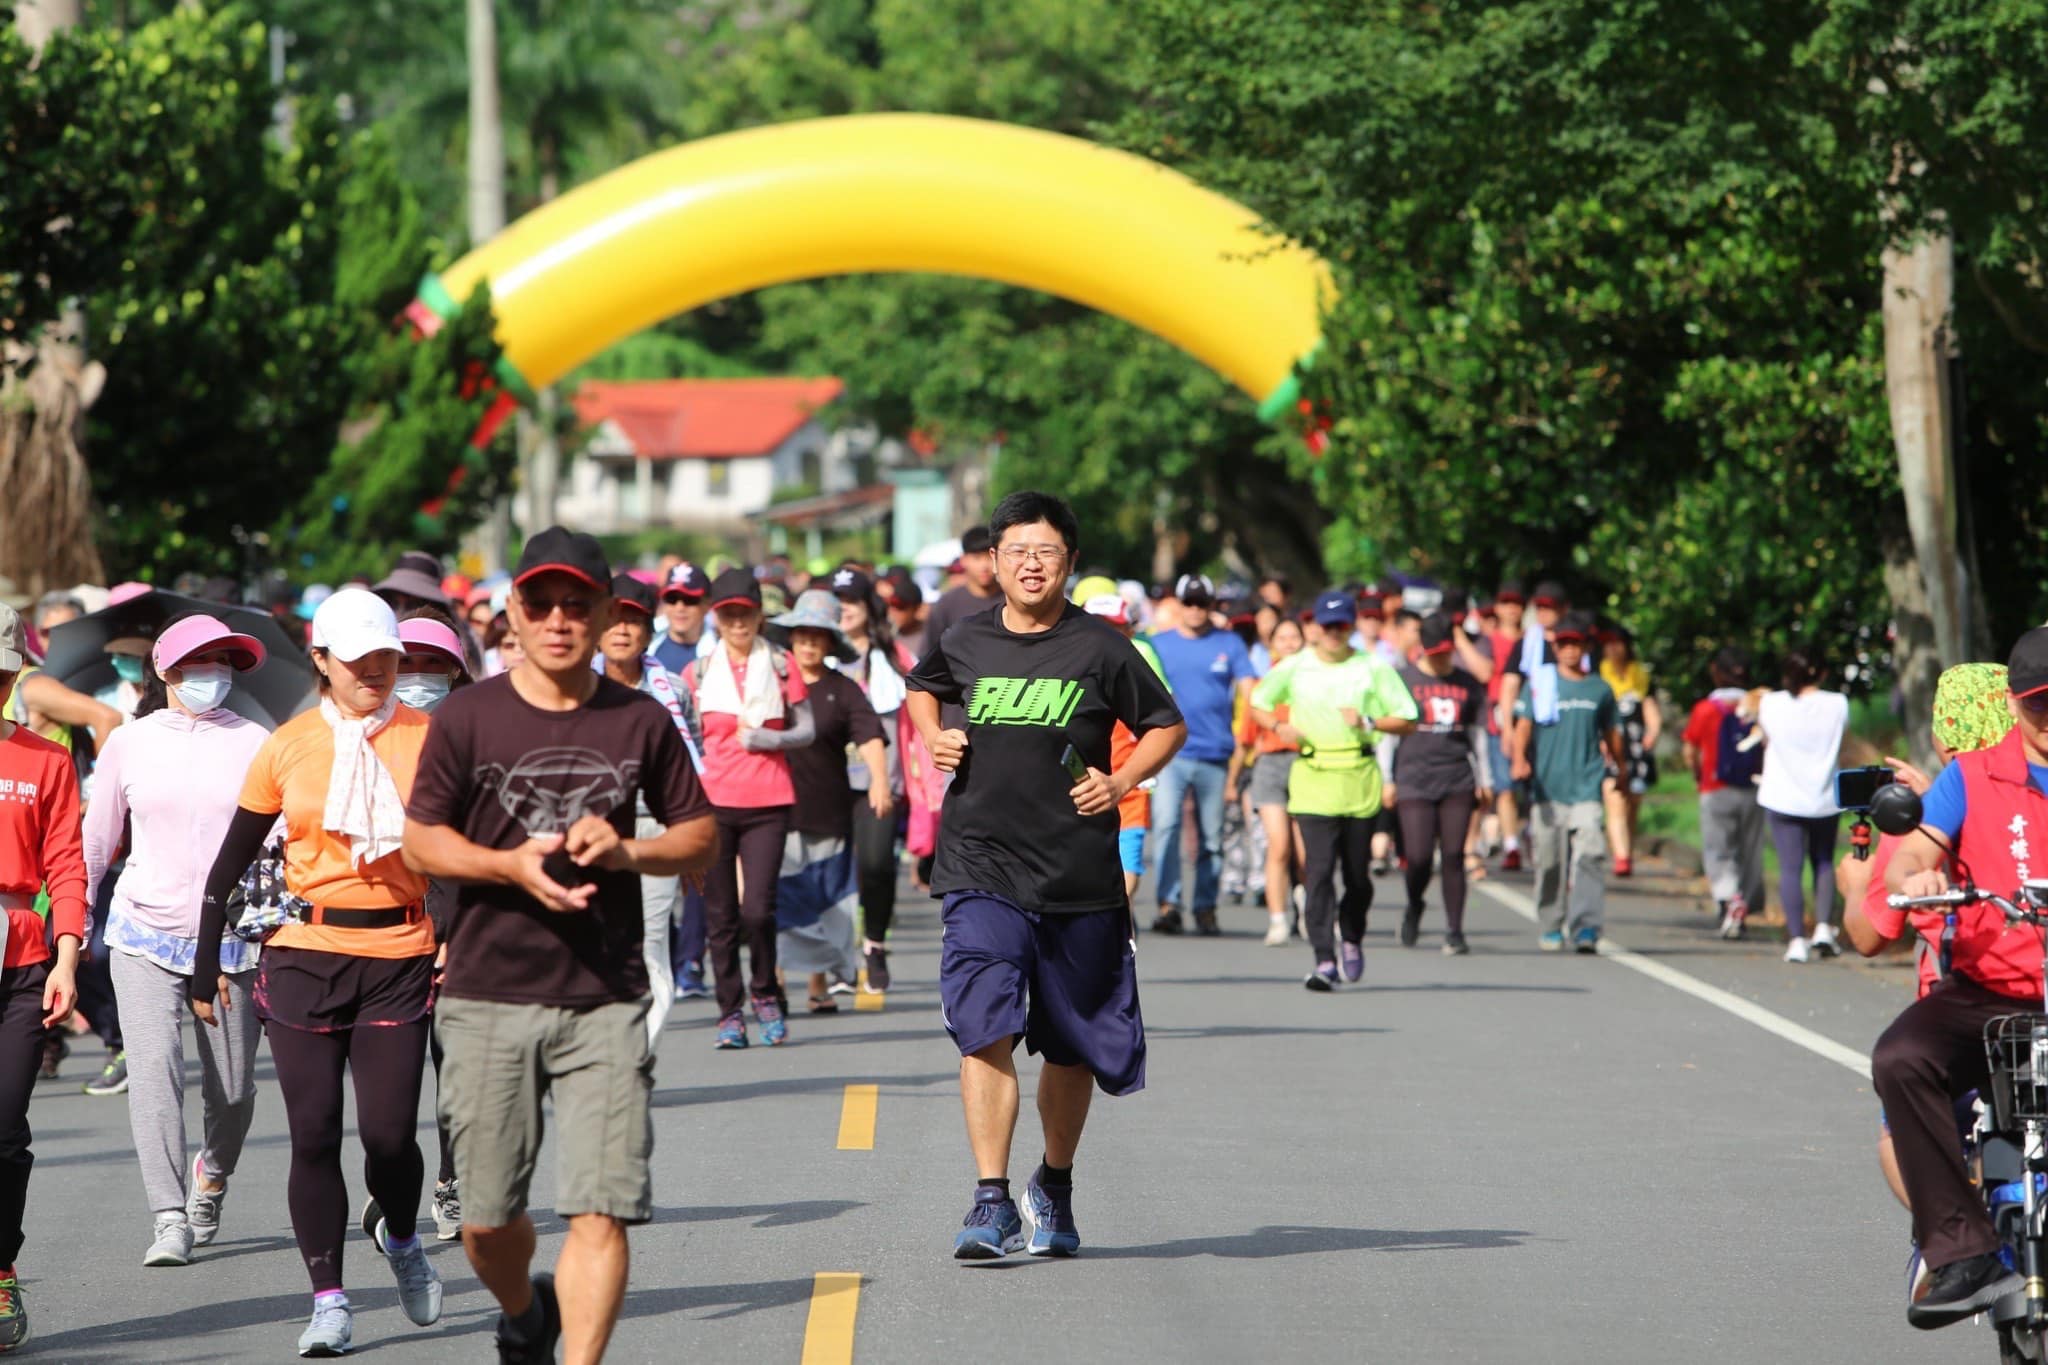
1985, 813
1038, 932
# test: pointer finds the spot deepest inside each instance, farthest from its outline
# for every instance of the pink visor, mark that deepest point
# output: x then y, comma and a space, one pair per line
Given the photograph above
431, 637
199, 634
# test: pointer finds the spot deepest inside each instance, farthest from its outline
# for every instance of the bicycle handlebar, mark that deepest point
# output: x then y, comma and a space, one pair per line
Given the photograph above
1957, 897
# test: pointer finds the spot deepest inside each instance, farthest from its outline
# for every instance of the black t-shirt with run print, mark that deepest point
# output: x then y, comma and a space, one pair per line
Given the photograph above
499, 770
1008, 826
1436, 760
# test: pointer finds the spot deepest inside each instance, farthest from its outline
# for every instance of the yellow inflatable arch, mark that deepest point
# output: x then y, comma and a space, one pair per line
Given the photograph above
897, 192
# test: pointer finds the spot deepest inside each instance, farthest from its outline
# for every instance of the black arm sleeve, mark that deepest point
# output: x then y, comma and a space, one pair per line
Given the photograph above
244, 842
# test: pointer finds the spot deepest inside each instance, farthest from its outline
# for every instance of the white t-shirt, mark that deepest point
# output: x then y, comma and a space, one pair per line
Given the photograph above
1805, 742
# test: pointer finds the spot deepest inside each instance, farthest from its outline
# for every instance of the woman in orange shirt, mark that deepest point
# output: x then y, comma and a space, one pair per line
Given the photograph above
348, 983
1271, 760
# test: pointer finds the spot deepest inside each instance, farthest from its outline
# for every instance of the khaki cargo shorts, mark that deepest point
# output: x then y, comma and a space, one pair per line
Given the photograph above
500, 1062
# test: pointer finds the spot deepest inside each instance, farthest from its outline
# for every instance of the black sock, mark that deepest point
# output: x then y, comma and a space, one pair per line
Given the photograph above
1054, 1177
1000, 1186
530, 1325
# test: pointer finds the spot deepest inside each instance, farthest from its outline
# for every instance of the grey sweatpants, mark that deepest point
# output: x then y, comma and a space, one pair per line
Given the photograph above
1732, 845
153, 1016
661, 901
1569, 838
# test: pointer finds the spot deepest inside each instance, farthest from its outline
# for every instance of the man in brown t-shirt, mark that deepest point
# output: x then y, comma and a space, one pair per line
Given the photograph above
525, 797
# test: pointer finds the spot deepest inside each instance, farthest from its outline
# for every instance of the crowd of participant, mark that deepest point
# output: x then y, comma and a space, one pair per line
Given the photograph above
727, 767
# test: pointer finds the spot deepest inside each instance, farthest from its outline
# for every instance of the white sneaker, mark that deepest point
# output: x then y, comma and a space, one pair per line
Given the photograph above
1825, 944
1734, 918
1278, 935
1796, 951
173, 1244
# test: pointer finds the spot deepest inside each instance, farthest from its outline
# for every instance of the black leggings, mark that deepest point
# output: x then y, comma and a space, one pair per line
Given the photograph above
1328, 842
386, 1062
749, 838
874, 853
1425, 825
21, 1052
447, 1171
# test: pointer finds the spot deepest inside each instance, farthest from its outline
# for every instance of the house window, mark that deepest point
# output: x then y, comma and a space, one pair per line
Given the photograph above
717, 479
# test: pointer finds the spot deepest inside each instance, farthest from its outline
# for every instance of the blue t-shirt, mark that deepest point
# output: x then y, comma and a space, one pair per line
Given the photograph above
1203, 671
1947, 801
675, 656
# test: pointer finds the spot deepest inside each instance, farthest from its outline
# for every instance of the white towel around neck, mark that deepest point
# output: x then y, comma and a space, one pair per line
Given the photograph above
756, 701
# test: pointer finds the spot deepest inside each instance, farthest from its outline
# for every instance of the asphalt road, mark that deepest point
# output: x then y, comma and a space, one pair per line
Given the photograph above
1505, 1157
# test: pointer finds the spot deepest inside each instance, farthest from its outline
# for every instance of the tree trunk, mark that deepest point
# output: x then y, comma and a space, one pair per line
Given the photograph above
1916, 659
493, 539
1919, 288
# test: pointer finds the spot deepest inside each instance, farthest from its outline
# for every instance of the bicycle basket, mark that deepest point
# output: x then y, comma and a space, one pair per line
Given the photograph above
2016, 1047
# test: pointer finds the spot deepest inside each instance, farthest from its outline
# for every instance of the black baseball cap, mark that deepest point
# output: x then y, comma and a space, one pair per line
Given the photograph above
976, 540
735, 588
629, 591
1195, 590
560, 550
1576, 627
899, 589
1436, 633
851, 585
1511, 590
1549, 594
2026, 672
686, 583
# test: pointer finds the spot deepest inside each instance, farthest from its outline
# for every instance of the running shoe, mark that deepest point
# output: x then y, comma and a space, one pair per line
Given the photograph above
1798, 950
419, 1286
203, 1206
1511, 861
1962, 1289
1454, 945
1323, 978
732, 1032
1206, 925
1586, 940
690, 983
514, 1349
991, 1230
173, 1242
1411, 926
878, 970
835, 984
447, 1210
1733, 919
1277, 932
774, 1028
1351, 959
1551, 941
330, 1333
13, 1311
1825, 944
1052, 1220
1168, 922
56, 1047
113, 1077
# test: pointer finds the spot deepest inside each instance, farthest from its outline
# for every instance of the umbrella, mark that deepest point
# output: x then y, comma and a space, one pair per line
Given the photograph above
284, 686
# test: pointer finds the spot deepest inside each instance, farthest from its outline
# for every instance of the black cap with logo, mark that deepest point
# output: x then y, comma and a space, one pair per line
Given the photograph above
560, 550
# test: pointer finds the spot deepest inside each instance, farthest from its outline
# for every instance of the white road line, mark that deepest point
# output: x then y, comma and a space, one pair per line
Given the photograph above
1770, 1021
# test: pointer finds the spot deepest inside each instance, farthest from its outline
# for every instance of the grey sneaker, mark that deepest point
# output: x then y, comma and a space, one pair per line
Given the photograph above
202, 1207
419, 1286
329, 1334
113, 1077
447, 1210
173, 1244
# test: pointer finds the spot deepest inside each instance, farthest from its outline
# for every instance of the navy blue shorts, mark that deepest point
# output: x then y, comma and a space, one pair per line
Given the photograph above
1067, 985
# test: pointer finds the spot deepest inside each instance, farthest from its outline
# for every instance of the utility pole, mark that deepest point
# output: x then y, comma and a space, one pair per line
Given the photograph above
487, 206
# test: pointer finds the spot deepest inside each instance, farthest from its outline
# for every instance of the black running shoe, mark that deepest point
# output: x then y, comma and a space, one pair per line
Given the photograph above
1168, 922
516, 1350
1206, 925
1411, 926
1962, 1289
878, 971
1454, 945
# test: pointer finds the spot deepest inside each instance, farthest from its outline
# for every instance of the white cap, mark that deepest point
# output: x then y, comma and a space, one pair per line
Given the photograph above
355, 622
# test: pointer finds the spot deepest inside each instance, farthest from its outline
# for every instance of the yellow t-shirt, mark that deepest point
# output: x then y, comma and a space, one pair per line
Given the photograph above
1631, 681
290, 774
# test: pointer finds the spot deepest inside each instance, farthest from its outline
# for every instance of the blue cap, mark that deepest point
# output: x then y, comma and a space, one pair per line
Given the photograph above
1335, 608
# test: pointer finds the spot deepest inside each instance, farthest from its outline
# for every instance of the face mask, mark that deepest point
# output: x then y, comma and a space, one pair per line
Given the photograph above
206, 686
422, 691
128, 667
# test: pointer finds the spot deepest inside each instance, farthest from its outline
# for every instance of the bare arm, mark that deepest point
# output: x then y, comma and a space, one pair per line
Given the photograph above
682, 850
947, 747
1653, 723
1155, 750
66, 706
1916, 867
1477, 661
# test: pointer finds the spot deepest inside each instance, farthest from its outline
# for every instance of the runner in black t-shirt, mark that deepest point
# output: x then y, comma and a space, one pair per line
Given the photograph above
1037, 926
1436, 773
525, 796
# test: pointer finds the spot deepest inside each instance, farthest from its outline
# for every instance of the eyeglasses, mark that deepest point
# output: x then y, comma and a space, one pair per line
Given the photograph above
572, 608
2034, 703
1036, 554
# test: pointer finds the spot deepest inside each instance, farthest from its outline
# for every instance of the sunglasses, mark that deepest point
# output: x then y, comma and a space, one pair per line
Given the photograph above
572, 608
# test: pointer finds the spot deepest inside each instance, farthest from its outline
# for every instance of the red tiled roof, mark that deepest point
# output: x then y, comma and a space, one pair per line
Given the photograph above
704, 419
